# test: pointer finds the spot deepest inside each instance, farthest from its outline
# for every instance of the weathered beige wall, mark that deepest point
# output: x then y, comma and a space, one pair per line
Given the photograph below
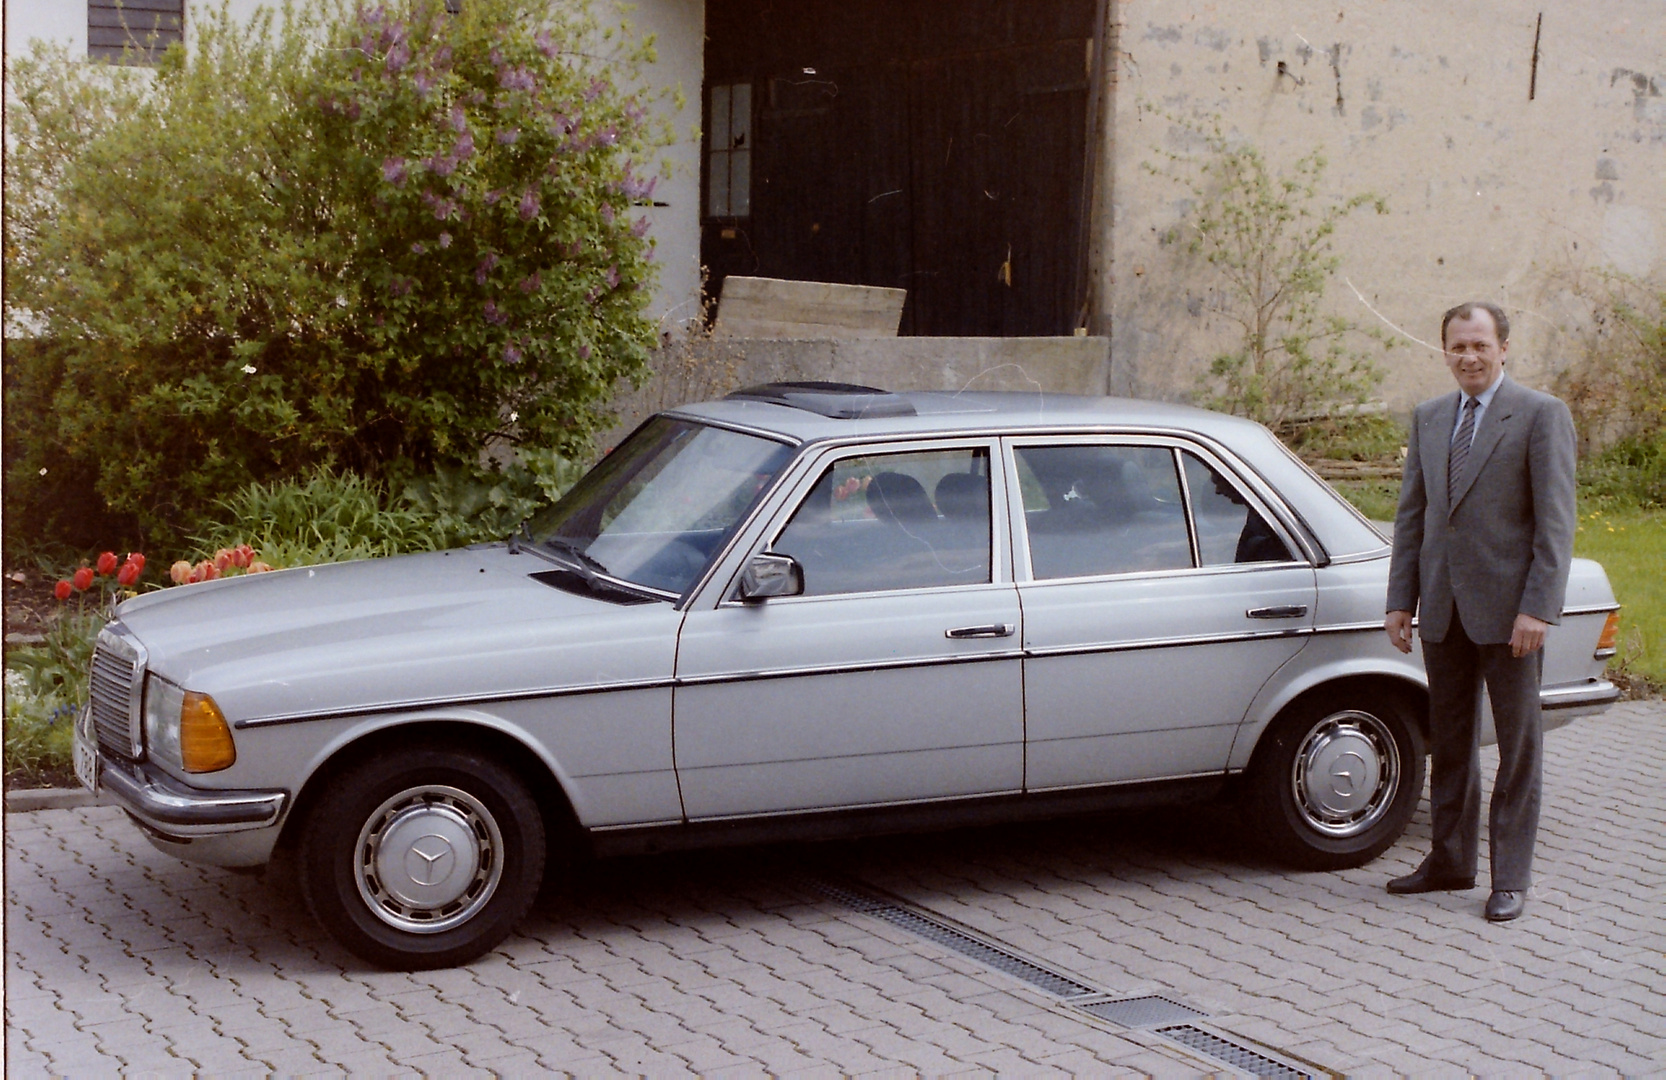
1424, 102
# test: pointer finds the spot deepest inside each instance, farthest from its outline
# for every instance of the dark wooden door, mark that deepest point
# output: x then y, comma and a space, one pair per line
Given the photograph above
918, 144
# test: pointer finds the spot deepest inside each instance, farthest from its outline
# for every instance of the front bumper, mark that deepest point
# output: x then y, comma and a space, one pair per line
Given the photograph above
200, 825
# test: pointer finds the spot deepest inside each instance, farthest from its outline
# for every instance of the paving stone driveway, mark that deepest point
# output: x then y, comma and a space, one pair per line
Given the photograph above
120, 959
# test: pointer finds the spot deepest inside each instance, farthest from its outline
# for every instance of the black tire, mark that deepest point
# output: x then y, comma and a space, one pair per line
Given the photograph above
460, 820
1336, 778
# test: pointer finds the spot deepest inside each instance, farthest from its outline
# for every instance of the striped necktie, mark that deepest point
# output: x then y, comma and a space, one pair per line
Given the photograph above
1460, 448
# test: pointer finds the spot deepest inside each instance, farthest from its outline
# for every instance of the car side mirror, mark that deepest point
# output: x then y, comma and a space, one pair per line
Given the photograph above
770, 575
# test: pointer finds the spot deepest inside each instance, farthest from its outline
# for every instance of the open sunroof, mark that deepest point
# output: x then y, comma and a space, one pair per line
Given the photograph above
838, 401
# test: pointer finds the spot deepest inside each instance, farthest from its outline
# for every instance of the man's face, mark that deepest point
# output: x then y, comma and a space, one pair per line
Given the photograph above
1473, 351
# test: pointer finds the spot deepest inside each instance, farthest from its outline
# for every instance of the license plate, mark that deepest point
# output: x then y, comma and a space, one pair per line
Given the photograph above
86, 750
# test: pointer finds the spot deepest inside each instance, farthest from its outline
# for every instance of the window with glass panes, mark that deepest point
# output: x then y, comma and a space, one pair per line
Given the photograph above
729, 151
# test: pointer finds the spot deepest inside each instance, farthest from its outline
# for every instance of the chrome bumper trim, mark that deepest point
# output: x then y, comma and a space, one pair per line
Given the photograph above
1593, 695
174, 809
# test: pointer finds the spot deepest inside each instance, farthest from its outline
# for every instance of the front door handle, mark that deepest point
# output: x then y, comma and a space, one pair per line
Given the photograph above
1281, 611
992, 630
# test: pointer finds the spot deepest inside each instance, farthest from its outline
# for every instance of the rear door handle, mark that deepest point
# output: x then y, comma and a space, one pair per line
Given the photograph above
992, 630
1280, 611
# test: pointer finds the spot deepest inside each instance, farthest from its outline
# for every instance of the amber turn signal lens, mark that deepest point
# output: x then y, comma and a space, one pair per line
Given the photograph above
1610, 632
204, 736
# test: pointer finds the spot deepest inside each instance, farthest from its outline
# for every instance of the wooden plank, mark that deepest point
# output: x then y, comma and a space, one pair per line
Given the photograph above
113, 37
171, 7
773, 308
137, 21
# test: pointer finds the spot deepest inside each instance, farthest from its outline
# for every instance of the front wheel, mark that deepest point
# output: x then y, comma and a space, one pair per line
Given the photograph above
423, 859
1336, 778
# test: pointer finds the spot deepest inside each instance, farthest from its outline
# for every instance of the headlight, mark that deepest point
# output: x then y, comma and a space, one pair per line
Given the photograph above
186, 729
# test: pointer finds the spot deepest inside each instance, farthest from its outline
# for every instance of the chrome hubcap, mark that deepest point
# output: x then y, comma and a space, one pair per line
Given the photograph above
428, 859
1346, 773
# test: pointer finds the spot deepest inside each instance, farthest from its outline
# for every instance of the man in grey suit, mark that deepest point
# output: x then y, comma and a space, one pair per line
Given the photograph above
1482, 540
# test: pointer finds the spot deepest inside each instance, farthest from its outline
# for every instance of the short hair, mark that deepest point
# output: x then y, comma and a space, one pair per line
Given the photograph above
1467, 310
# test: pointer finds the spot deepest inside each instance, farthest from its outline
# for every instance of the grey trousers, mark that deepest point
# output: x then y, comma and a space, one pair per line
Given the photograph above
1458, 670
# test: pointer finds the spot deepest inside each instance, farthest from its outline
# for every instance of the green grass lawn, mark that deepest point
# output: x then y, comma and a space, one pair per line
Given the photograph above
1631, 545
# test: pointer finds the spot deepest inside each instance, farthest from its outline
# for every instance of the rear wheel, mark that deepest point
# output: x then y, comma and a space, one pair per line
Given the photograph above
423, 859
1336, 778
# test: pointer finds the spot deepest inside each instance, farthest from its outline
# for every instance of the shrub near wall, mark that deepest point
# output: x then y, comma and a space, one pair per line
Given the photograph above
378, 255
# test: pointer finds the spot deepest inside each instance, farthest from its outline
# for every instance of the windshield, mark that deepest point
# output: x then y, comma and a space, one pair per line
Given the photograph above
660, 506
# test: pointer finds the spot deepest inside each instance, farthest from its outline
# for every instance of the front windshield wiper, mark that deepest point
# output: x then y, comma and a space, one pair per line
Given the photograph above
587, 565
591, 569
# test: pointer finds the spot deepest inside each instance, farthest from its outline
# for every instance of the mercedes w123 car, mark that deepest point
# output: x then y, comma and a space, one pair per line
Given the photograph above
807, 610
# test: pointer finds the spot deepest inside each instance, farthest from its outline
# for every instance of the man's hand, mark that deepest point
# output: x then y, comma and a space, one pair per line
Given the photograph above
1528, 636
1398, 625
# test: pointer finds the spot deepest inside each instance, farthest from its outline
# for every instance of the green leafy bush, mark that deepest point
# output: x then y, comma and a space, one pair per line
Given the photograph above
373, 238
330, 516
1266, 234
46, 685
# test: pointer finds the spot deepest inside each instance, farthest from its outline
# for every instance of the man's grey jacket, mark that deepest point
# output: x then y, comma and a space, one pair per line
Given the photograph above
1503, 543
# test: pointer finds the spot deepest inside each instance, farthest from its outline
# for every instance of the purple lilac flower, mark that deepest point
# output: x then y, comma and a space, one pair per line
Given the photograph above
545, 42
419, 248
352, 110
584, 352
507, 136
529, 205
607, 213
399, 286
640, 229
442, 57
607, 136
497, 56
531, 283
492, 314
595, 90
486, 266
464, 148
397, 58
393, 171
613, 276
442, 166
515, 78
511, 355
459, 119
493, 196
445, 239
424, 82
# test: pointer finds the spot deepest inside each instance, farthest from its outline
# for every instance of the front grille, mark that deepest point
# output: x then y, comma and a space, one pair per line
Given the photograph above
117, 675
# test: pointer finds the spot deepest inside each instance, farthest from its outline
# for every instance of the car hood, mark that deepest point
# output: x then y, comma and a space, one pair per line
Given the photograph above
416, 629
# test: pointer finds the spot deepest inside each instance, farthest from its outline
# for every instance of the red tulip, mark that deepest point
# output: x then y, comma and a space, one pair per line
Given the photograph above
222, 558
62, 590
258, 567
107, 562
241, 554
180, 572
137, 559
207, 569
83, 579
127, 575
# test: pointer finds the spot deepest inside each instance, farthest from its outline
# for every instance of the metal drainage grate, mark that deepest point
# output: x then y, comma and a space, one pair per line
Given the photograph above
955, 940
1141, 1012
1147, 1012
1238, 1057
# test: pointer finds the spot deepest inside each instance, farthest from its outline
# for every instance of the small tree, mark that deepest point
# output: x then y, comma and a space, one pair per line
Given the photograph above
1267, 237
371, 237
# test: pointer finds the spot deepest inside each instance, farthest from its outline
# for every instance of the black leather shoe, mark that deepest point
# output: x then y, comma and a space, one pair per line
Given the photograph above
1424, 880
1504, 905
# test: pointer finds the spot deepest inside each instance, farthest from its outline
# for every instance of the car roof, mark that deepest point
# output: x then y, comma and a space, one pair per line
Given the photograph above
808, 413
794, 413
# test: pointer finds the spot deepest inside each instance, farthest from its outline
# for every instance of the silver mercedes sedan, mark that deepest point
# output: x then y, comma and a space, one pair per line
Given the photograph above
807, 610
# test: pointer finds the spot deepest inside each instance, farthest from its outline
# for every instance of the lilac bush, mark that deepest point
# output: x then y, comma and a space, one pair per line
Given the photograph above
362, 236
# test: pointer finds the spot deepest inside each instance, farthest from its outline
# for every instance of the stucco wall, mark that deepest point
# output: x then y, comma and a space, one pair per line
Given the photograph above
1425, 102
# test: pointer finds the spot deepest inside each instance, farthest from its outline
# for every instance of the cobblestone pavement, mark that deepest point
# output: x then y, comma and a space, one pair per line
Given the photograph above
121, 959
